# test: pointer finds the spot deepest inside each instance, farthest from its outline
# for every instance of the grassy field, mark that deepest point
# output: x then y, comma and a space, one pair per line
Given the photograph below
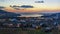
19, 31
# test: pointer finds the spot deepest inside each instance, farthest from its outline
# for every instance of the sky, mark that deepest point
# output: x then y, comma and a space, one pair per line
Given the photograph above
30, 5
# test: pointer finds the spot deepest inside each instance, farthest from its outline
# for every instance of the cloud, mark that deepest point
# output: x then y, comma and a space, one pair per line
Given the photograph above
15, 7
27, 6
1, 7
39, 1
21, 7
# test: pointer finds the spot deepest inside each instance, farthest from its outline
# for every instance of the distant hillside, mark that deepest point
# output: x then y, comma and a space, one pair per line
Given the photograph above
8, 14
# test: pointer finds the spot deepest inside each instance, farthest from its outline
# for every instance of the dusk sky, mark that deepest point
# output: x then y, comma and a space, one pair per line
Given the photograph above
46, 5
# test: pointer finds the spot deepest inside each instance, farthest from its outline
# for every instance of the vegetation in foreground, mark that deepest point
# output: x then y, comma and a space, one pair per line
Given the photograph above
19, 31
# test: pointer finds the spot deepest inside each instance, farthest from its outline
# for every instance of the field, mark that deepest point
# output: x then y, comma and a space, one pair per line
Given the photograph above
19, 31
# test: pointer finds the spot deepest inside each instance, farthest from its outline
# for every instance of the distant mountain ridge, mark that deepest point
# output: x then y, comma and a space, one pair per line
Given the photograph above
4, 13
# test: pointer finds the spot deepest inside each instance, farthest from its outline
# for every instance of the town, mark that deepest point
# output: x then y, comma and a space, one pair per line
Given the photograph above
47, 22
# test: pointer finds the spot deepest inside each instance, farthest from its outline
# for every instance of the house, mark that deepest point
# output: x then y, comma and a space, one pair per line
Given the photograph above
7, 25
